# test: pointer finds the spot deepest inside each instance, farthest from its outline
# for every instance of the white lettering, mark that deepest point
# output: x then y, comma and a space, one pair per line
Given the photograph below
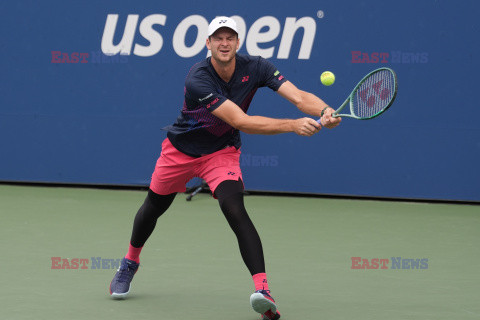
125, 45
264, 30
291, 26
179, 36
152, 36
255, 36
210, 95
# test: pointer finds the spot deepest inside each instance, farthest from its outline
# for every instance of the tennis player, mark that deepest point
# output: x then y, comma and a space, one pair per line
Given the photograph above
205, 142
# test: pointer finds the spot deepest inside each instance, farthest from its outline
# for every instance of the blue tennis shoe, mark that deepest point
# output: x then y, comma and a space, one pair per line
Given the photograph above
120, 285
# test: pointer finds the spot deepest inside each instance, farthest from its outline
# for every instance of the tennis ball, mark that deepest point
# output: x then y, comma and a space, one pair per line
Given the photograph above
327, 78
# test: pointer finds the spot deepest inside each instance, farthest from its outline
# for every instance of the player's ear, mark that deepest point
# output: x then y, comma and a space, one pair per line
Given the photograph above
238, 43
208, 43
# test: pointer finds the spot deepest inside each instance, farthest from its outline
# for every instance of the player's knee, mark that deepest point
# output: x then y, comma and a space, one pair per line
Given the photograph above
232, 205
228, 188
235, 212
157, 202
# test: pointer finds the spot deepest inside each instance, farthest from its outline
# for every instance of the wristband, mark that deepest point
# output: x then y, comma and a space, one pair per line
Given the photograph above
323, 111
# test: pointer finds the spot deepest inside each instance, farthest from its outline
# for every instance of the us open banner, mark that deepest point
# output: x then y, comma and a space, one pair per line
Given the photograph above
87, 86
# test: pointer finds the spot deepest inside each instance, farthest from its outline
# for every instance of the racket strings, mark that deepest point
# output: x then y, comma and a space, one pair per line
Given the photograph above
374, 94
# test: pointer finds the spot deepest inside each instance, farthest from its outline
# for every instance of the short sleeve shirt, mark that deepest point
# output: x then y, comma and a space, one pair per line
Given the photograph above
197, 131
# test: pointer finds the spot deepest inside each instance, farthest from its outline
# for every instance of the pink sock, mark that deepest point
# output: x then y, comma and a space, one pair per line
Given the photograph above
133, 253
260, 281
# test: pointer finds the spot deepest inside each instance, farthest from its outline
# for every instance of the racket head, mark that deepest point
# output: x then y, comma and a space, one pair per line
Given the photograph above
374, 94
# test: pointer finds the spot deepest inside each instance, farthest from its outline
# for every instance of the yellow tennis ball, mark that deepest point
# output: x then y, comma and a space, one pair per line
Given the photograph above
327, 78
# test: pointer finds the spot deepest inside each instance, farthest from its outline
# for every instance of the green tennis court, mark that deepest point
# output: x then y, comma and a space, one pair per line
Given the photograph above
191, 267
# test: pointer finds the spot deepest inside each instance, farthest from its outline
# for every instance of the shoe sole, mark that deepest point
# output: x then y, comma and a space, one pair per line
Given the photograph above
261, 304
119, 296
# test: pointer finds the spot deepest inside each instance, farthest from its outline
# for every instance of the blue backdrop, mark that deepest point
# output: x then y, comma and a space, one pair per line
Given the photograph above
98, 119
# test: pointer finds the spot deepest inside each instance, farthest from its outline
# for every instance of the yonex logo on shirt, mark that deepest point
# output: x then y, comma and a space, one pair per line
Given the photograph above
212, 103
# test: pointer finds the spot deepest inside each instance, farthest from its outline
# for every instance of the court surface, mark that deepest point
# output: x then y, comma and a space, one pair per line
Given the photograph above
191, 266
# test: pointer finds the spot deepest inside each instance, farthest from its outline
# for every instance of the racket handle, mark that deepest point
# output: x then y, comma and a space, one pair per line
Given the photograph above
333, 116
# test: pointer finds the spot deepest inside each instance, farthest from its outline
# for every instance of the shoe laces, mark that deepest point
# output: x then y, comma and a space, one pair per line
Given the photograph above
267, 292
126, 273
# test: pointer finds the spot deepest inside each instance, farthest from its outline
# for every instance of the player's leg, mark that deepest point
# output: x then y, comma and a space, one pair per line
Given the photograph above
173, 168
221, 171
144, 224
146, 219
230, 197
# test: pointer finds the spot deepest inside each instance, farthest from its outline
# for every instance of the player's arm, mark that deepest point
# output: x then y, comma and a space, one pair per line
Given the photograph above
232, 114
308, 103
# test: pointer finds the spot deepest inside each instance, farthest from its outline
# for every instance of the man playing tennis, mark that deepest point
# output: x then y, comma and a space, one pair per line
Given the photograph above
205, 141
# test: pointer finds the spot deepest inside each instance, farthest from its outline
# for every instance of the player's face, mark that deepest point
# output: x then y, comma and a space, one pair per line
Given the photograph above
223, 45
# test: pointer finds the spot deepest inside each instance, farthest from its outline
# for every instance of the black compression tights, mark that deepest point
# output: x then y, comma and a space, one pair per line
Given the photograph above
146, 219
230, 198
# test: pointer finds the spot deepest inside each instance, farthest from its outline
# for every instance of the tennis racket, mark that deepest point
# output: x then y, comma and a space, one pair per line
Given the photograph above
372, 96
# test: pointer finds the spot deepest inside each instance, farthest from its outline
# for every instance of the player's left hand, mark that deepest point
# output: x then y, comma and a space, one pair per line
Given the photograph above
328, 121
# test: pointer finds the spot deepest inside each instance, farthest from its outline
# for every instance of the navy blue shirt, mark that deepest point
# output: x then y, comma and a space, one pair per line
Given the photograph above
196, 131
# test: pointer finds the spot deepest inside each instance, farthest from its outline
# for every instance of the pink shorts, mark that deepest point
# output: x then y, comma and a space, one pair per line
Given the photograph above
174, 169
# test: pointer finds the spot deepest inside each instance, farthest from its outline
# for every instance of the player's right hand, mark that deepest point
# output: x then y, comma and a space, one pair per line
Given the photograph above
328, 121
306, 127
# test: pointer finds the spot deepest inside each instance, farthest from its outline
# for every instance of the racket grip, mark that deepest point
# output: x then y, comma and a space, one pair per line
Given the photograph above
333, 116
319, 121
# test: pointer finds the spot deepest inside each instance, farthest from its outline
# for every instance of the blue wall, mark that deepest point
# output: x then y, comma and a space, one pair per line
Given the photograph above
100, 121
